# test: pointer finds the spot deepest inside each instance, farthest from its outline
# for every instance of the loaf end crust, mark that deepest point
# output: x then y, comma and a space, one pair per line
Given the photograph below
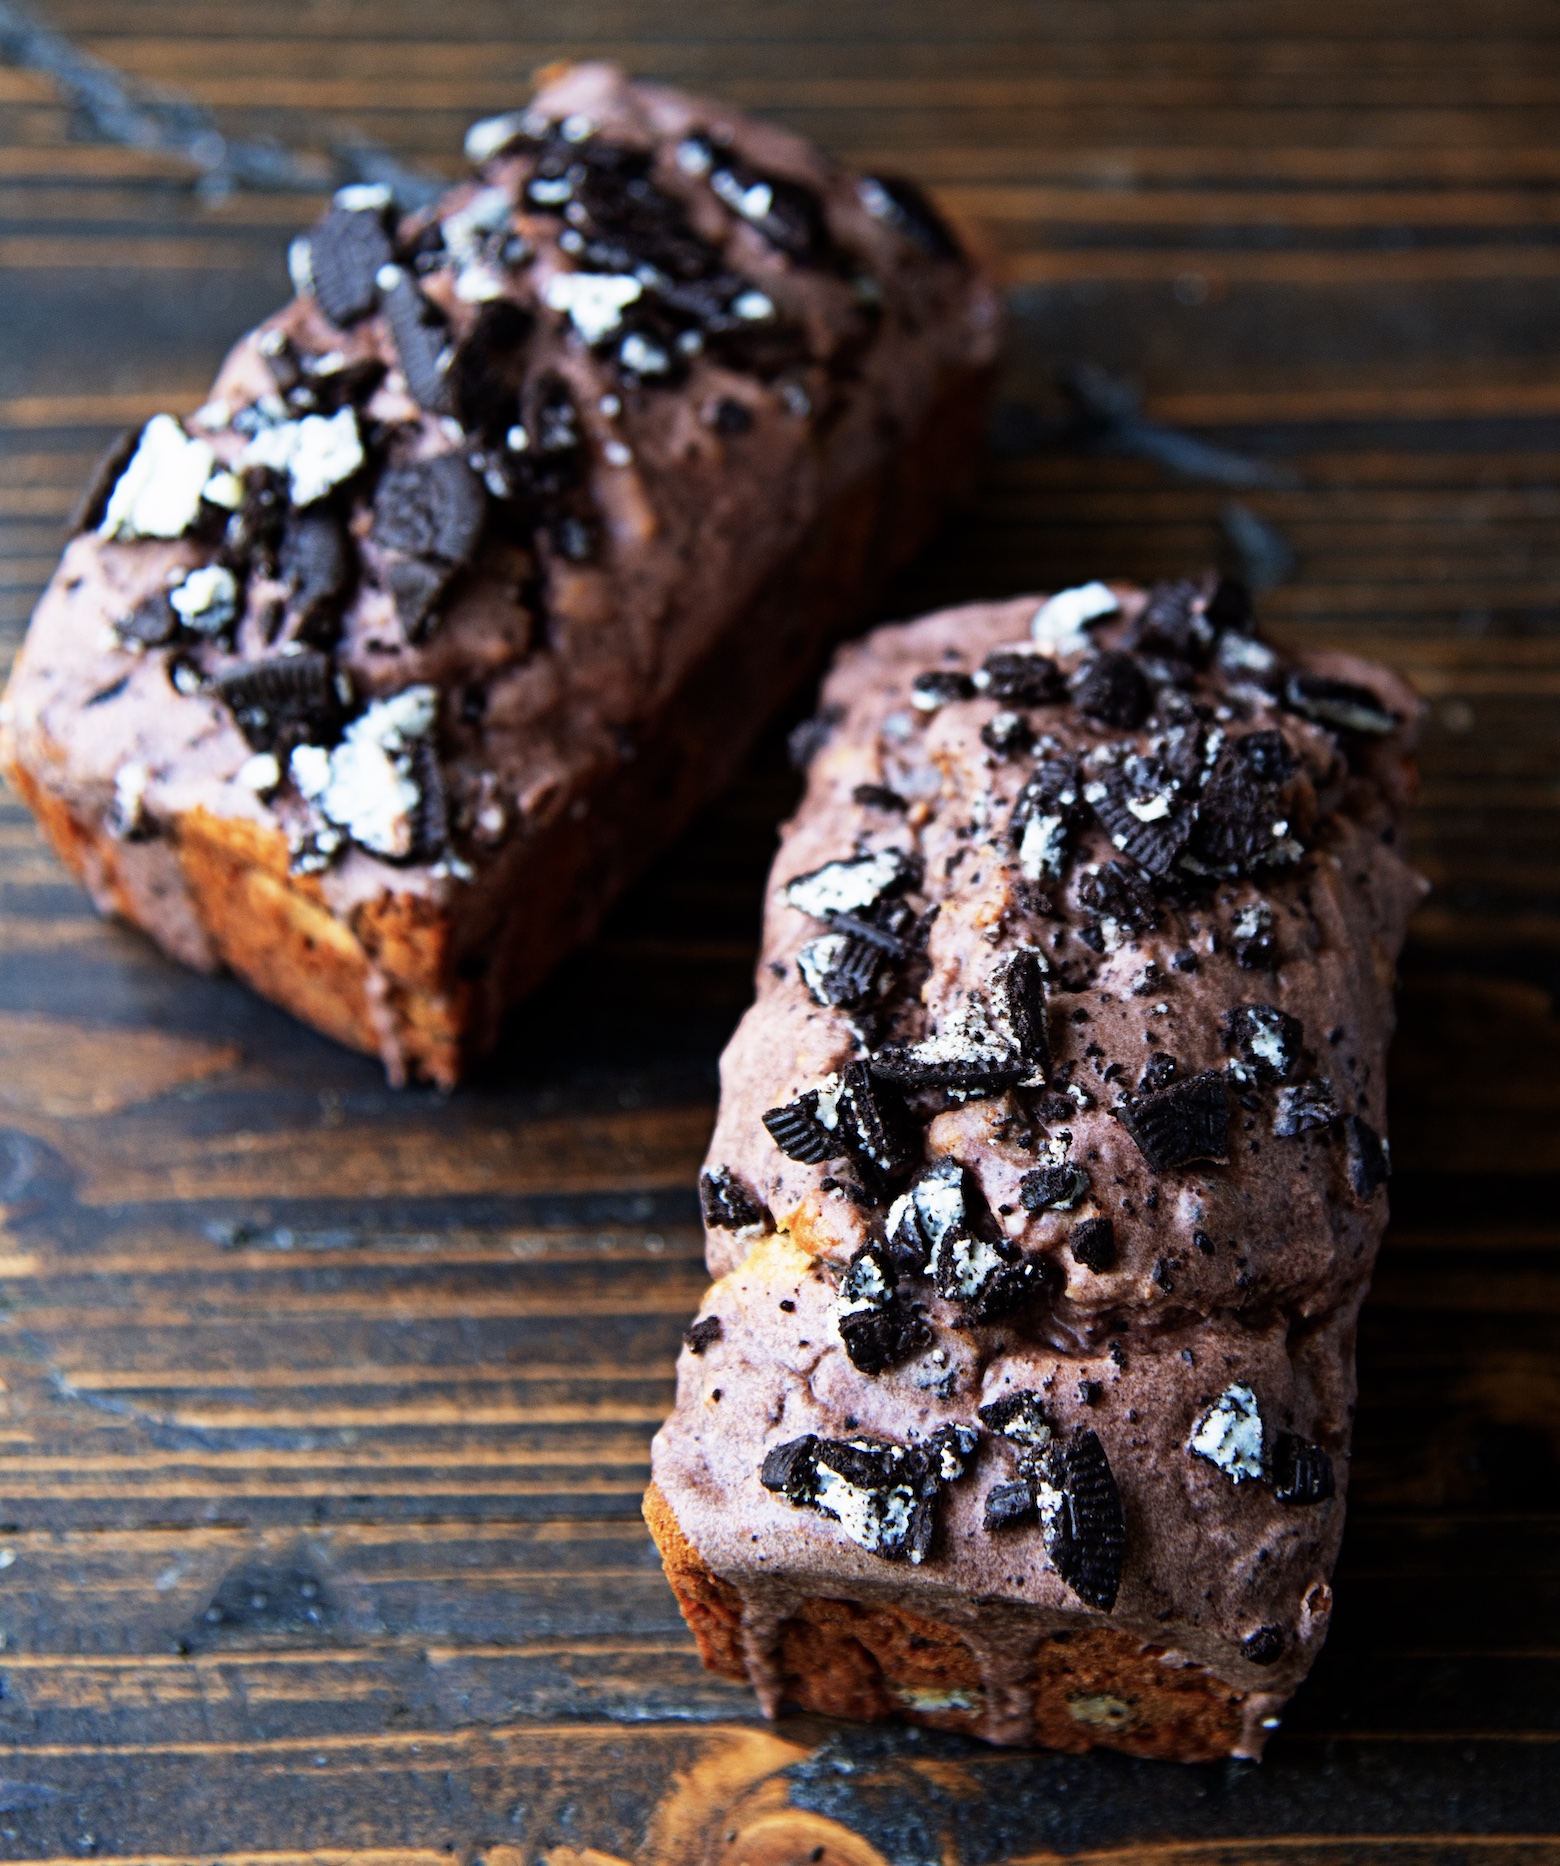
1090, 1688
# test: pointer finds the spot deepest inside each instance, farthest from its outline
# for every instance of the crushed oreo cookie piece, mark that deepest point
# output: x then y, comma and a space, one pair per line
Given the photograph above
727, 1203
1081, 1517
888, 925
1229, 1435
789, 215
788, 1468
151, 624
287, 700
1252, 939
1019, 1416
1159, 1072
1229, 607
1302, 1473
1187, 1121
1140, 807
1305, 1106
848, 967
1053, 1188
89, 509
939, 687
1048, 810
877, 1325
1175, 623
1009, 1506
702, 1334
1113, 689
416, 587
1266, 1039
920, 1218
877, 1339
970, 1054
808, 1129
254, 533
1369, 1163
431, 817
421, 342
1243, 823
1019, 679
433, 508
881, 1494
987, 1276
1120, 898
1265, 1646
902, 205
1018, 998
346, 252
1339, 704
949, 1449
849, 886
487, 374
1093, 1244
317, 562
1007, 735
838, 970
881, 1138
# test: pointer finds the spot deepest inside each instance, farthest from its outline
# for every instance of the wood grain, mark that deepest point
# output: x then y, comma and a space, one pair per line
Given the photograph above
324, 1412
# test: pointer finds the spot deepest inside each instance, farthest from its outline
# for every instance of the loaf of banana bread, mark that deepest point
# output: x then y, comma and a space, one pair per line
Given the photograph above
489, 554
1047, 1181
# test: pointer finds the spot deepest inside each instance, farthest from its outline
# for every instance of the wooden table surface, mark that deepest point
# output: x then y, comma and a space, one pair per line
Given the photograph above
325, 1409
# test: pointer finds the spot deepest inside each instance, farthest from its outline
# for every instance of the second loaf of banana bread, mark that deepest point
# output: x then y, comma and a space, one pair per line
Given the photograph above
1047, 1182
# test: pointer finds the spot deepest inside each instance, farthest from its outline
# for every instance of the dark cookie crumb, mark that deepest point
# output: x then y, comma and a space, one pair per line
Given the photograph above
346, 251
939, 687
1265, 1646
1112, 688
1187, 1121
1008, 1506
1369, 1165
1305, 1107
1053, 1188
727, 1202
1019, 1416
1338, 703
702, 1334
891, 1489
1302, 1473
1093, 1244
1267, 1040
732, 416
1081, 1517
1019, 679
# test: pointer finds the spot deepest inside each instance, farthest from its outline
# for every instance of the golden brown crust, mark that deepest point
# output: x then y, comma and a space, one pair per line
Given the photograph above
1092, 1687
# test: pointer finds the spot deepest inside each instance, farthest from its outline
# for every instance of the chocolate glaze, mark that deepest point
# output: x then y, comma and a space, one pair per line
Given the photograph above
546, 667
1249, 1272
